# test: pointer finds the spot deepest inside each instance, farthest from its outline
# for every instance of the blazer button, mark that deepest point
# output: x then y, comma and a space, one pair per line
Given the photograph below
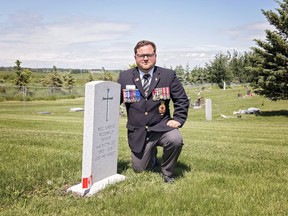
146, 113
146, 127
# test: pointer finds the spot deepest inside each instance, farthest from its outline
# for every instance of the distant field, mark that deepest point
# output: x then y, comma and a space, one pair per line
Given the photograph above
36, 90
8, 77
228, 166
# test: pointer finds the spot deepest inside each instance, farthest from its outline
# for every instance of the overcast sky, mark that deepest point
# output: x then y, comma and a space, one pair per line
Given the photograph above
102, 33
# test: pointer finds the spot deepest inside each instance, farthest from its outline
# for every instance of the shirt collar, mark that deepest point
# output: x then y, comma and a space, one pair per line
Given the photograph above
142, 73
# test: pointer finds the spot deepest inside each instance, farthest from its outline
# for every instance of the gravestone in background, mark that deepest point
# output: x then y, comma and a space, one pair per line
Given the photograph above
100, 139
208, 109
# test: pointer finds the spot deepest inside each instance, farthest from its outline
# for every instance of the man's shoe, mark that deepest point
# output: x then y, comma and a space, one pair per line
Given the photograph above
168, 179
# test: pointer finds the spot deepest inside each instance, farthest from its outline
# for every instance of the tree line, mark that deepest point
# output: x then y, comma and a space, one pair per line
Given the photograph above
55, 80
228, 68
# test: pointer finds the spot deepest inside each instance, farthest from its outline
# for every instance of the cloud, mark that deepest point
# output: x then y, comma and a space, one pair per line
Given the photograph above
192, 56
69, 42
89, 42
33, 29
82, 43
250, 31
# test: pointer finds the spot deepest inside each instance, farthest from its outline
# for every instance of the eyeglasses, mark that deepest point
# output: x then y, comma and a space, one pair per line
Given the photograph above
142, 56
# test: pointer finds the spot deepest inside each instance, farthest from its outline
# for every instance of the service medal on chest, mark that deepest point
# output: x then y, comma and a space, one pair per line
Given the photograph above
162, 108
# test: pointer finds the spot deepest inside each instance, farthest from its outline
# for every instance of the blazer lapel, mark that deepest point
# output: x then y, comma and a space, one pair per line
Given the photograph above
137, 80
154, 81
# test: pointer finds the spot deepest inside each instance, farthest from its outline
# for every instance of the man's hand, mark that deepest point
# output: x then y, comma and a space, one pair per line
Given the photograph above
173, 123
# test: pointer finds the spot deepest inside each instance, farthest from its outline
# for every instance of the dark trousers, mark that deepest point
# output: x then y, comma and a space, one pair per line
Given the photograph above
171, 142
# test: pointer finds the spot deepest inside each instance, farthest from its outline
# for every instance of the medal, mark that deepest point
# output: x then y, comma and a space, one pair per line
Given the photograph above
167, 90
161, 93
162, 108
131, 95
137, 95
164, 93
128, 96
154, 97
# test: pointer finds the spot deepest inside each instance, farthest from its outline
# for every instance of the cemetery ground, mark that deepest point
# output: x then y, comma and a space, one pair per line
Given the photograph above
229, 166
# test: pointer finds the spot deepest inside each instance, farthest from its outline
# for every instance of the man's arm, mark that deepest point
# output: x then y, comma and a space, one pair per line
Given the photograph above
180, 102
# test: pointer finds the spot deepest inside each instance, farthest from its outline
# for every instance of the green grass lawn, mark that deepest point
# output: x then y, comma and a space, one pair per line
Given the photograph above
228, 166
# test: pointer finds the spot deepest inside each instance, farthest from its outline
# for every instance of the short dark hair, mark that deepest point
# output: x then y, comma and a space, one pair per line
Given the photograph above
144, 43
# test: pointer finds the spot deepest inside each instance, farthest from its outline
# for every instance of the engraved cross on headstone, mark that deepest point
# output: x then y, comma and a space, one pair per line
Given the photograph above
107, 106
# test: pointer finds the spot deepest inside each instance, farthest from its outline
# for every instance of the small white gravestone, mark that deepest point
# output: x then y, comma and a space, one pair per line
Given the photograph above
76, 109
100, 139
208, 109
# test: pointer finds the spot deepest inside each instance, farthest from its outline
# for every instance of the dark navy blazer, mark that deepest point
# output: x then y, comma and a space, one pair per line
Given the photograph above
144, 115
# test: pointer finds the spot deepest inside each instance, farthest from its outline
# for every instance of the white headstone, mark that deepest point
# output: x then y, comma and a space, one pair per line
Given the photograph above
208, 109
76, 109
100, 139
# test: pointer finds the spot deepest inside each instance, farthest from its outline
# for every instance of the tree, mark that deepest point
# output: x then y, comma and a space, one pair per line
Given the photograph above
107, 75
199, 75
69, 81
90, 78
132, 65
238, 65
180, 73
53, 80
23, 76
219, 70
187, 74
270, 59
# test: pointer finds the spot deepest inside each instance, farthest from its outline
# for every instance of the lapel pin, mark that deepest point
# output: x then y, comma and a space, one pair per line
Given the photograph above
137, 79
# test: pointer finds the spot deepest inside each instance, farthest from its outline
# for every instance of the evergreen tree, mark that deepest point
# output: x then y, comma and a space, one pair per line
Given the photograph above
132, 65
23, 76
199, 75
219, 70
90, 78
180, 73
106, 75
187, 74
237, 65
53, 80
69, 81
270, 59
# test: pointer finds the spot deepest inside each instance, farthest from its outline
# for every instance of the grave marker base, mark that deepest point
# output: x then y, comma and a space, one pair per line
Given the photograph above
97, 186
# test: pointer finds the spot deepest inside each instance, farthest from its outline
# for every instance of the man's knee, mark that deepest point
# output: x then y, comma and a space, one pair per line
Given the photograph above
138, 163
177, 141
174, 139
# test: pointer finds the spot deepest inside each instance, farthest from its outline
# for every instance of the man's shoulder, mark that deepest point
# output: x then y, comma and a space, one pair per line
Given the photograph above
164, 72
126, 75
129, 71
162, 69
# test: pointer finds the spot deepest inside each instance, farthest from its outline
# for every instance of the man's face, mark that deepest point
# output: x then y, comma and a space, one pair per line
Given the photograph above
145, 58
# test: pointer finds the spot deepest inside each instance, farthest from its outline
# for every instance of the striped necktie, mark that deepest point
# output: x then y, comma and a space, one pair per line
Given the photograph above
146, 78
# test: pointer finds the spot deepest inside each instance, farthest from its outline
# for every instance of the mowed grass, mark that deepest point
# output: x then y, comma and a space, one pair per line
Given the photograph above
228, 166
